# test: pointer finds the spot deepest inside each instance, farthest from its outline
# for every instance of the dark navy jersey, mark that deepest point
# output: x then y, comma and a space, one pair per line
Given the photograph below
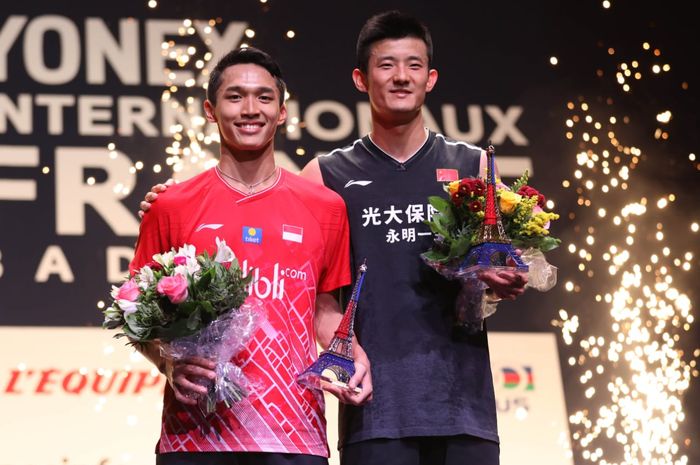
427, 380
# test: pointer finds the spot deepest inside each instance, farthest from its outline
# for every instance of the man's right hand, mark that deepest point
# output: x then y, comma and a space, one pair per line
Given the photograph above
189, 377
152, 196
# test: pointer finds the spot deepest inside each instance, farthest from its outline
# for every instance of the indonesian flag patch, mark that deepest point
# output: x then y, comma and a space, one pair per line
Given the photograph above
292, 233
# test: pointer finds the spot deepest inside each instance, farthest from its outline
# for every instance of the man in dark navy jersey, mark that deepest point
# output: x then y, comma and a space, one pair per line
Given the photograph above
433, 390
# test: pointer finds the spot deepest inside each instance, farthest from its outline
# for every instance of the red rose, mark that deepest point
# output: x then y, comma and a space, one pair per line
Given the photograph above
479, 187
154, 265
457, 198
527, 191
475, 206
471, 186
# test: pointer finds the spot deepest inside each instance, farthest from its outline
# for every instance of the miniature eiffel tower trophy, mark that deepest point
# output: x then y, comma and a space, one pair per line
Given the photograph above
335, 366
493, 251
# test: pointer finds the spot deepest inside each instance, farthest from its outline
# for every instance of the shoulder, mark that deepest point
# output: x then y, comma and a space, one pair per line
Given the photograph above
308, 190
312, 172
457, 146
340, 153
184, 193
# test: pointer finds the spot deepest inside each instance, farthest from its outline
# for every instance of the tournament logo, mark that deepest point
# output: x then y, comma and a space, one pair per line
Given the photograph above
252, 235
512, 378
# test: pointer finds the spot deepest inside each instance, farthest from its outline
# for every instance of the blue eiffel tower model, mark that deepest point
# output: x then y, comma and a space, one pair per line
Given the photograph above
494, 249
338, 357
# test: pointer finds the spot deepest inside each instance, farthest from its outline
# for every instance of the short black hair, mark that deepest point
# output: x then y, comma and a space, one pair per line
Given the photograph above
243, 56
390, 25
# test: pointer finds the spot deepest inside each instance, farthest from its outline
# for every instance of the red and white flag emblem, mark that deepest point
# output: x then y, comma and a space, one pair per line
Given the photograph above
292, 233
446, 174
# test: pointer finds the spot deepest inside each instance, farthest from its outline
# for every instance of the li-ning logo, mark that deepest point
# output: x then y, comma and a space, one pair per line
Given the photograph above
263, 287
357, 183
208, 226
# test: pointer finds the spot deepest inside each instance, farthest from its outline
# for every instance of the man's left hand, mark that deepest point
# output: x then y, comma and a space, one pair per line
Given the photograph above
362, 378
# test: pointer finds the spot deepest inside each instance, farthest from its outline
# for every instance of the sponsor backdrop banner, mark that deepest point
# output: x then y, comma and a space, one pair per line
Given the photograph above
88, 399
99, 102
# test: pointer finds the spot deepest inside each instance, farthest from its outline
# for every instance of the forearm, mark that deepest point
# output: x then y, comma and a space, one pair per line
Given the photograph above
327, 318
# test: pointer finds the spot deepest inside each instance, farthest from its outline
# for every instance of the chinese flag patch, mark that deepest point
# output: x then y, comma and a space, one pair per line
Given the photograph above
447, 174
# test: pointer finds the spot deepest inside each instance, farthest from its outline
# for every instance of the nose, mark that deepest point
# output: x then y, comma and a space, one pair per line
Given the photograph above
250, 106
400, 76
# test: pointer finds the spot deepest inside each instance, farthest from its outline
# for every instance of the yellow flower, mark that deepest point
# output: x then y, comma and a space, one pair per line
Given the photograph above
452, 187
508, 201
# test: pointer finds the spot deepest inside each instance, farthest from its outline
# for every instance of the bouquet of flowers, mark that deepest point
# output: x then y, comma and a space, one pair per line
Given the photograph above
457, 223
193, 306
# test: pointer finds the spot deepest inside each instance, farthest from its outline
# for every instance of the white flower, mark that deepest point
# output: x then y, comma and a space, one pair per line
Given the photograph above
127, 306
146, 277
187, 251
187, 256
224, 254
165, 259
181, 270
114, 292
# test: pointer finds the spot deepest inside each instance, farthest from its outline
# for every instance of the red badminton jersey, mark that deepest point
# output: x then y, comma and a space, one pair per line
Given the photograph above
294, 236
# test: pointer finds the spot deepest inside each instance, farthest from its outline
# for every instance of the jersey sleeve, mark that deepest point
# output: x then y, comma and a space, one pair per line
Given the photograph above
154, 237
336, 260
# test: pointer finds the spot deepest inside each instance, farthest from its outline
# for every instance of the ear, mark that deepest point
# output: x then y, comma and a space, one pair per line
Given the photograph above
360, 80
282, 116
209, 111
432, 80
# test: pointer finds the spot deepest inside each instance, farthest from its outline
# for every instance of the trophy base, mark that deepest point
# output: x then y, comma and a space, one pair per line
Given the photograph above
331, 369
322, 383
492, 256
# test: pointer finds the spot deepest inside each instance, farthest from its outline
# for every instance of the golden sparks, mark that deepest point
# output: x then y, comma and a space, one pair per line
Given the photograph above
634, 374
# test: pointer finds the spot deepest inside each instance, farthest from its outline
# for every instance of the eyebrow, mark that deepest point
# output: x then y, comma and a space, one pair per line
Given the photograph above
250, 89
393, 58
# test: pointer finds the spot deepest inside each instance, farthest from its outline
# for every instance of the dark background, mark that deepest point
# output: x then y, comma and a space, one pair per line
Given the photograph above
487, 53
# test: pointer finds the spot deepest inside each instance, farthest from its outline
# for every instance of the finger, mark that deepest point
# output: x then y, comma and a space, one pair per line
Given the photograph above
336, 391
494, 281
170, 182
196, 360
197, 368
356, 379
144, 207
141, 213
158, 188
150, 196
185, 386
183, 398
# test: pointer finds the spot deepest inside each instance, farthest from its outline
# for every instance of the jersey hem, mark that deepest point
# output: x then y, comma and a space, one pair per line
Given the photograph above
419, 431
320, 450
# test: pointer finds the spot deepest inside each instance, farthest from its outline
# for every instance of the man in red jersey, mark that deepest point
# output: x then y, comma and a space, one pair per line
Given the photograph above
293, 236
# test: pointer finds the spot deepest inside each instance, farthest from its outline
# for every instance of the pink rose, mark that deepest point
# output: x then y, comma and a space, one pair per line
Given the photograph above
128, 291
174, 288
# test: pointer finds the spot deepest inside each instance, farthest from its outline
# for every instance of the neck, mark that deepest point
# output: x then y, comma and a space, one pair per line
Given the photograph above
248, 169
399, 139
